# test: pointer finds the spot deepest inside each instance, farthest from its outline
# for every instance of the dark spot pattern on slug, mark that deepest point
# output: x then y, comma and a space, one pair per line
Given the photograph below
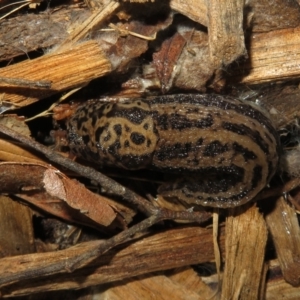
180, 122
137, 138
118, 129
107, 137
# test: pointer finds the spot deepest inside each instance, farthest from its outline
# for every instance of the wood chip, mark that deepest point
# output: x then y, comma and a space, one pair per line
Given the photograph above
284, 228
246, 238
73, 67
225, 31
196, 10
272, 56
14, 215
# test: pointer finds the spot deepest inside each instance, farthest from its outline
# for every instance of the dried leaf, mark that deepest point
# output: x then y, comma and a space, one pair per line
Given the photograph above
53, 185
78, 197
166, 59
11, 151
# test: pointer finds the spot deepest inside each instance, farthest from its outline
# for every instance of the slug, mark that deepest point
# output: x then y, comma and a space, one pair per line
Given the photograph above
222, 150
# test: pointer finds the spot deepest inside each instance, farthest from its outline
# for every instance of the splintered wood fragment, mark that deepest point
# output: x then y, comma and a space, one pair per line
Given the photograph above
280, 289
225, 31
150, 288
196, 10
160, 251
95, 20
272, 56
246, 238
190, 280
14, 152
277, 287
284, 228
16, 229
73, 67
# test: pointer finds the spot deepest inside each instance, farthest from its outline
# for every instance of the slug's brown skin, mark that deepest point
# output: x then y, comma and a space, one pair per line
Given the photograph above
223, 150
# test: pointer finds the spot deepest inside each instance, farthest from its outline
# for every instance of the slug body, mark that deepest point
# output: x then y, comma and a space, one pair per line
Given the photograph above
223, 150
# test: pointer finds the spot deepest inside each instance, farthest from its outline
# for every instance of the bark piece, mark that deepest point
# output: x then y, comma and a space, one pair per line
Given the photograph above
225, 31
246, 238
284, 228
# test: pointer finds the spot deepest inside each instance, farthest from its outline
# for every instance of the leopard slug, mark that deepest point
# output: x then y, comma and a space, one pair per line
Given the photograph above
224, 151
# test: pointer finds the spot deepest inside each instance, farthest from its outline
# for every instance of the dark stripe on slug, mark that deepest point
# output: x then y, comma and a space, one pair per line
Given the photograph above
135, 115
257, 176
223, 201
215, 148
247, 154
243, 130
174, 151
180, 122
272, 168
212, 182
